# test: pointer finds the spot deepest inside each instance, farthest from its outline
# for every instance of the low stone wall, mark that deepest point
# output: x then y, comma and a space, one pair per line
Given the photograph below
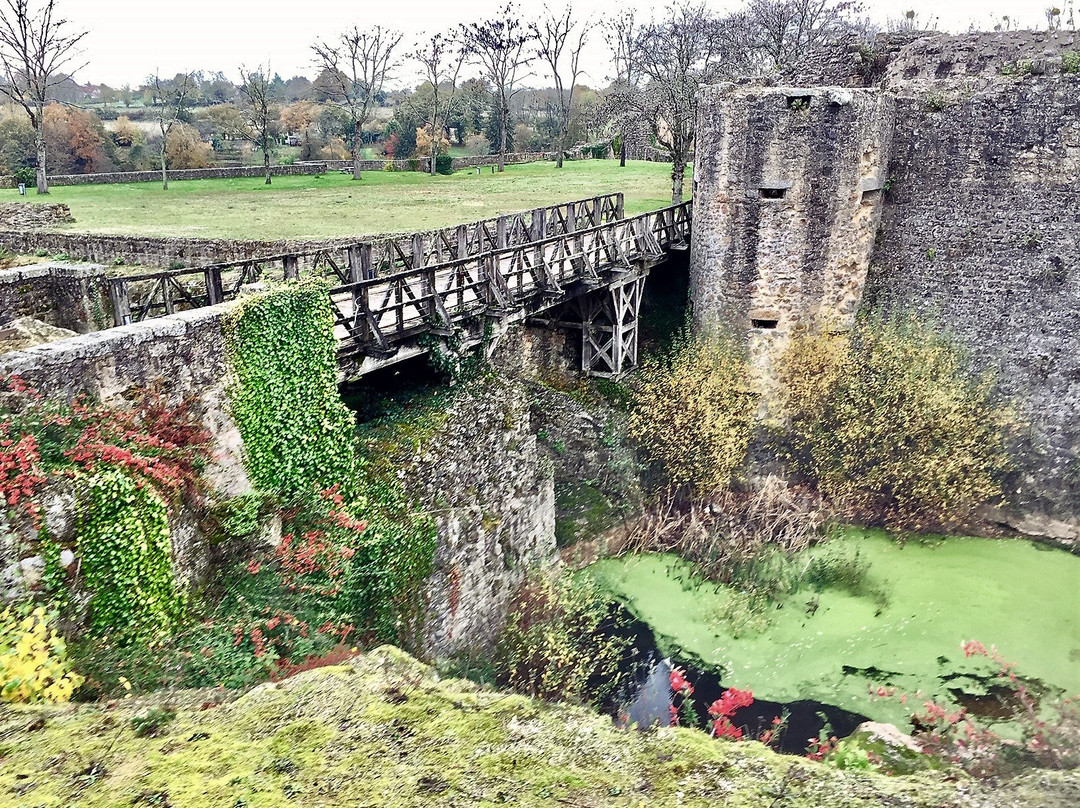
295, 169
30, 216
153, 251
224, 172
62, 295
182, 358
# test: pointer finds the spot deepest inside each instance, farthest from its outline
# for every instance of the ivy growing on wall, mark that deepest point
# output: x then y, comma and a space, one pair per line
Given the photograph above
344, 523
125, 555
298, 435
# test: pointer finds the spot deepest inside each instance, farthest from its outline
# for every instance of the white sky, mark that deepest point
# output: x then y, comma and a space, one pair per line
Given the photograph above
130, 39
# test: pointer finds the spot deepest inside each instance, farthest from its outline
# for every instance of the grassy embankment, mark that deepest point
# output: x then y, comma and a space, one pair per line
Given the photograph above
333, 204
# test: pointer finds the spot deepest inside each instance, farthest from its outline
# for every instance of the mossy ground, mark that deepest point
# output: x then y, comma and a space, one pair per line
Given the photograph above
384, 731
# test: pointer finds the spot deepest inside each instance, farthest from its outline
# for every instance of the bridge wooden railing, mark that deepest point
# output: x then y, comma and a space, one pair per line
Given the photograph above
374, 314
153, 294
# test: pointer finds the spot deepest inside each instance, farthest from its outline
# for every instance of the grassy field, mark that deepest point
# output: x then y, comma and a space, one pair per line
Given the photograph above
335, 205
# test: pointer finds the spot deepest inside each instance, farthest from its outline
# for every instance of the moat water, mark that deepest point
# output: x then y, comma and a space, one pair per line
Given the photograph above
837, 656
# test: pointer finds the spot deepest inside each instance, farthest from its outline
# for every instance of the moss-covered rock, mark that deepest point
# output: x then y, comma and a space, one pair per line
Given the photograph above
385, 731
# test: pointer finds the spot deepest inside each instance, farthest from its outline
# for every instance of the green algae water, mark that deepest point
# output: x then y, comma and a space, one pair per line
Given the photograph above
903, 637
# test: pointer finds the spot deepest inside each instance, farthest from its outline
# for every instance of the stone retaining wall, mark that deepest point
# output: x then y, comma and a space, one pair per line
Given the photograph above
62, 295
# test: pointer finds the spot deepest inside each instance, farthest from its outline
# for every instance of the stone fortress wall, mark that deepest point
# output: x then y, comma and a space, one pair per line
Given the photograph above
974, 143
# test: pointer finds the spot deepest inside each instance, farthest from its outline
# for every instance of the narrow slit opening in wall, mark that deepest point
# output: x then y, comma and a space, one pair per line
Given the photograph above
772, 193
797, 102
766, 324
871, 196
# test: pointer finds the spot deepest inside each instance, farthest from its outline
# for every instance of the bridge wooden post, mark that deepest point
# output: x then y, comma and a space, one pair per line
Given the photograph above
571, 217
291, 265
120, 298
538, 225
214, 291
417, 251
620, 206
352, 253
597, 211
501, 226
462, 242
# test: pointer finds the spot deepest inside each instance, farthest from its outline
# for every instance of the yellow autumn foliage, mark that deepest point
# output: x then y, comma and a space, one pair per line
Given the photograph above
693, 414
892, 425
33, 660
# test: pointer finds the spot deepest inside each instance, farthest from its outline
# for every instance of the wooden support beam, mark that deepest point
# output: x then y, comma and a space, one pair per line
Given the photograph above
291, 265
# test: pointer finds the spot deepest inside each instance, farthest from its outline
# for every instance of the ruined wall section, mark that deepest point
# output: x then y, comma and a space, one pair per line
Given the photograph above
981, 235
788, 186
483, 479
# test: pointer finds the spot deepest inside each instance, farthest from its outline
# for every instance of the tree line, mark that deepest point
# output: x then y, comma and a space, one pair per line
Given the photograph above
478, 92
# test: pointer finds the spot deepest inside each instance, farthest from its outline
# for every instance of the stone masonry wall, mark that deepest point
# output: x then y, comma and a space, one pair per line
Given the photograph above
975, 143
981, 234
483, 478
62, 295
787, 200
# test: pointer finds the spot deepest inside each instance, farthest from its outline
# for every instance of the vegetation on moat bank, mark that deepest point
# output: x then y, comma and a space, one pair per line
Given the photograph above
382, 730
343, 573
333, 204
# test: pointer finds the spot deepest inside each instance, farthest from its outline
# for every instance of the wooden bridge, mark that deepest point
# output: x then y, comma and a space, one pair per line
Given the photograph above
579, 265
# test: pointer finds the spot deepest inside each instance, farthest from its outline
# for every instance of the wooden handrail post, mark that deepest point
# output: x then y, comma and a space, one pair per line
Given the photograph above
500, 232
620, 206
355, 271
291, 266
214, 291
417, 251
539, 224
462, 242
120, 298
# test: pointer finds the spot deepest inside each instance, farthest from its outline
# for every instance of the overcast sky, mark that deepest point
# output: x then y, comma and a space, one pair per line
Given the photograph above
130, 39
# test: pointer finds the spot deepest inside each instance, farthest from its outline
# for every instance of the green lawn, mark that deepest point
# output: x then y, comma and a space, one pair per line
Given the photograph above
335, 205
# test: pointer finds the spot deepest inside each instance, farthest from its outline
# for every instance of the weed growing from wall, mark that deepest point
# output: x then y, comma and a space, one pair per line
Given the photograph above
891, 424
298, 435
693, 414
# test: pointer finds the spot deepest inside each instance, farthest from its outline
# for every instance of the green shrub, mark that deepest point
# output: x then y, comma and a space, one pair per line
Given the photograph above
126, 556
1070, 62
892, 426
693, 414
557, 643
25, 176
444, 164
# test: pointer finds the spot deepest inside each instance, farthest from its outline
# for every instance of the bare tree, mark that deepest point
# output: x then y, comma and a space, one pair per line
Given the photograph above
260, 114
678, 56
789, 29
170, 100
34, 45
560, 40
500, 46
442, 58
621, 36
357, 68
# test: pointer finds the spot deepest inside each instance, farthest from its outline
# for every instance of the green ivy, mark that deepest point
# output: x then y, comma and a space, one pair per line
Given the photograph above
126, 556
298, 435
300, 439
